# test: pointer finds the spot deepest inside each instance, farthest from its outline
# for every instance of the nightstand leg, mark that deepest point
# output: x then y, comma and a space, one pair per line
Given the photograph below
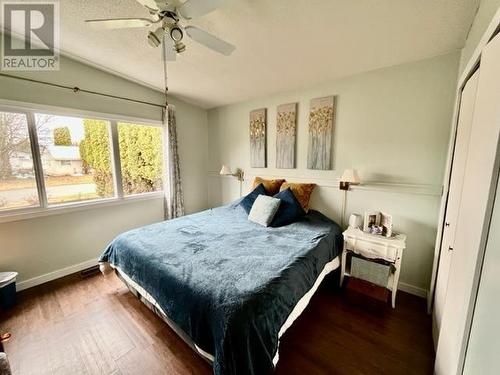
396, 279
342, 266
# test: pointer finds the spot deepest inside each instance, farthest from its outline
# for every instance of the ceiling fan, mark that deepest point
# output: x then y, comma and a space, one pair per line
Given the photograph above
168, 15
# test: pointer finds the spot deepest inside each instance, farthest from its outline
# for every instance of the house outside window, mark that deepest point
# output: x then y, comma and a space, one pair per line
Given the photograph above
18, 186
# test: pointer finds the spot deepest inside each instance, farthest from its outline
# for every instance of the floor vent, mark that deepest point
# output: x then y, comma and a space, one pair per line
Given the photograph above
89, 271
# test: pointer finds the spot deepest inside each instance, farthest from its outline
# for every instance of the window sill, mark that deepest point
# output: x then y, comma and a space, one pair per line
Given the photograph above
30, 213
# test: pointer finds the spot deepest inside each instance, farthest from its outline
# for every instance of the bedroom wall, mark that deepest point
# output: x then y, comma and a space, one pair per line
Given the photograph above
392, 125
485, 13
48, 247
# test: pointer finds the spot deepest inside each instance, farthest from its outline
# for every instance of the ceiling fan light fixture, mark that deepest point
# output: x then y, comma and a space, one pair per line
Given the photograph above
179, 47
176, 34
168, 14
155, 37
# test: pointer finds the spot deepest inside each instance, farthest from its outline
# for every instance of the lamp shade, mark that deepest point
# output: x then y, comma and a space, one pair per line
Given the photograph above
351, 176
225, 171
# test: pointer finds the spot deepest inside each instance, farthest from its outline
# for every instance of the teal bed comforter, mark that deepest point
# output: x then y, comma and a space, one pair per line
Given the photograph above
230, 284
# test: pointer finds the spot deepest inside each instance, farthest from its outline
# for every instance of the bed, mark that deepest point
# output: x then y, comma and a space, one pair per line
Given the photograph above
227, 286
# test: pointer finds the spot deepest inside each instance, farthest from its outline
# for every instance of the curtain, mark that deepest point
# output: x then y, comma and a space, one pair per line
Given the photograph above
174, 199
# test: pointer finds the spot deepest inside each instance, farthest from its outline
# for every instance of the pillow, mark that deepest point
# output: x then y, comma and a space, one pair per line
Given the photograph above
301, 191
263, 210
247, 201
272, 186
289, 210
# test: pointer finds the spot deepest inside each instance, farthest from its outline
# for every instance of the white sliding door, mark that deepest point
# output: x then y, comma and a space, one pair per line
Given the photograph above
474, 215
484, 340
455, 192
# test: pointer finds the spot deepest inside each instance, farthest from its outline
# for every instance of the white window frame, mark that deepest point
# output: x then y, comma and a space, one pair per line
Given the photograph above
43, 209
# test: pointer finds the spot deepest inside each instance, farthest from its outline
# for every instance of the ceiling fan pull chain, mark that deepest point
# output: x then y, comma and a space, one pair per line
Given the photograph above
165, 75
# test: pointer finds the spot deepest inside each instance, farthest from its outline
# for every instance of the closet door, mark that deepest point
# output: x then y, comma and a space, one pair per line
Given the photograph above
475, 209
460, 153
484, 340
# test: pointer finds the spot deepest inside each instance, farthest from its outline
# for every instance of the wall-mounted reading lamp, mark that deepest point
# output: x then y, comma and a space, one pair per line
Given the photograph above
225, 171
349, 177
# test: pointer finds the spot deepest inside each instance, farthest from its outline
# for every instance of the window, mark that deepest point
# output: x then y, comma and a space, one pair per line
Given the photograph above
76, 158
73, 160
140, 158
17, 176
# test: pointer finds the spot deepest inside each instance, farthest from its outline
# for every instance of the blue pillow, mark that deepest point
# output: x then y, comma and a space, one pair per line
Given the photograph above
289, 210
247, 201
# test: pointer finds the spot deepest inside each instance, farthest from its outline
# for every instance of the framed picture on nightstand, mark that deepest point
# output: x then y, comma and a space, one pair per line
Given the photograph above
372, 219
378, 223
386, 224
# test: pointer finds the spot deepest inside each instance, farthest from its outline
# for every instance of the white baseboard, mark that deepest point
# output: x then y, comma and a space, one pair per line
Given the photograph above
55, 274
412, 289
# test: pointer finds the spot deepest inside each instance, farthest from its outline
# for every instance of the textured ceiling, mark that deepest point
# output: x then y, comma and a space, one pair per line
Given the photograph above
281, 44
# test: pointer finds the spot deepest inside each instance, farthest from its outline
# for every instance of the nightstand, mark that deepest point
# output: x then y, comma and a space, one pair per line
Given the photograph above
387, 250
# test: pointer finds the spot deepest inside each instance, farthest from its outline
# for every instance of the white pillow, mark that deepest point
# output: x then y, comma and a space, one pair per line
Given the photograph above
263, 210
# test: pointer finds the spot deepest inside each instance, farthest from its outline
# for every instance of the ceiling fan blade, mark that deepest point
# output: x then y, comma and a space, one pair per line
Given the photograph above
169, 53
209, 40
119, 23
151, 4
198, 8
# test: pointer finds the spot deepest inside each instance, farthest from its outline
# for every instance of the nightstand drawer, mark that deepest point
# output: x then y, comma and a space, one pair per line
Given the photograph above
370, 249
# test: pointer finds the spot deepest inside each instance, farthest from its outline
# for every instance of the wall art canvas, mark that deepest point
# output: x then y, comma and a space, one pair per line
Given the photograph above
258, 138
321, 120
286, 129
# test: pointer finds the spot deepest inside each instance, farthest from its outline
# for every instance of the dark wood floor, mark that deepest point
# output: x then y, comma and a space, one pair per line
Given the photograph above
95, 326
